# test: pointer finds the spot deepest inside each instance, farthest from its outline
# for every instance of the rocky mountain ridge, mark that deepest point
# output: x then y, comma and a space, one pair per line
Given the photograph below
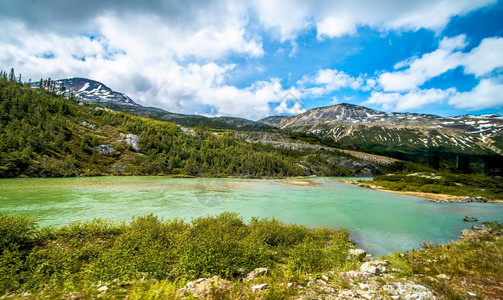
350, 124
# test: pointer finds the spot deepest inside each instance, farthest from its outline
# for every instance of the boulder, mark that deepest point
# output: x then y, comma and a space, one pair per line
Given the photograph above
469, 219
104, 149
256, 273
203, 287
375, 267
443, 276
131, 140
356, 254
259, 287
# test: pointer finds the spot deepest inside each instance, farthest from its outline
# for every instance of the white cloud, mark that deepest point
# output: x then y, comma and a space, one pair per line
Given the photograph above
335, 27
334, 101
175, 54
337, 18
326, 81
408, 101
287, 18
487, 57
423, 69
482, 60
487, 94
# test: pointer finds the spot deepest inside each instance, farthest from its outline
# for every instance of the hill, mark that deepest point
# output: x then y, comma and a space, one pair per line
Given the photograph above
44, 134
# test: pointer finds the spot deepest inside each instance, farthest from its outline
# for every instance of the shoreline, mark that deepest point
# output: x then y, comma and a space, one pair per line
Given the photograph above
432, 197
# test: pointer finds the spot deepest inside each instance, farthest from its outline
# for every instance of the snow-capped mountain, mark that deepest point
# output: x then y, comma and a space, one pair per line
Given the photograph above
87, 90
90, 91
353, 124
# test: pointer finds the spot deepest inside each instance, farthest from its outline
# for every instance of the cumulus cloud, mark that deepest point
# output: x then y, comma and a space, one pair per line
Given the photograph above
401, 88
482, 60
175, 54
487, 57
408, 101
487, 94
428, 66
326, 81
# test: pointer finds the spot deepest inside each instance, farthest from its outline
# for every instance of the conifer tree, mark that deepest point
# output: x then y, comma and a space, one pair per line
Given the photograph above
12, 77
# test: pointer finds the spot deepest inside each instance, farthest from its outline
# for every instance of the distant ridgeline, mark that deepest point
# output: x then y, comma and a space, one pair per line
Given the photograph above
43, 134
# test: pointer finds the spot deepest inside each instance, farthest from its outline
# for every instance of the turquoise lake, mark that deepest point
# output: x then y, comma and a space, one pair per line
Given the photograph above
384, 221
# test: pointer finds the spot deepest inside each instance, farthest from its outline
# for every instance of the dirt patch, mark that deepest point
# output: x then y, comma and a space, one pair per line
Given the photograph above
301, 183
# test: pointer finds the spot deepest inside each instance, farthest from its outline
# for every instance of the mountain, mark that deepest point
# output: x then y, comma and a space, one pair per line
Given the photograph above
90, 91
369, 129
47, 135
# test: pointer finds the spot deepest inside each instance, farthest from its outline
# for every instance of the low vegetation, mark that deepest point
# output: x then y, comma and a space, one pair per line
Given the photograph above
155, 259
470, 268
149, 253
443, 183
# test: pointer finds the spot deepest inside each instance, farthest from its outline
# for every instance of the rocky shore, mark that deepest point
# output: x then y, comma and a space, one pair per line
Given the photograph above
373, 279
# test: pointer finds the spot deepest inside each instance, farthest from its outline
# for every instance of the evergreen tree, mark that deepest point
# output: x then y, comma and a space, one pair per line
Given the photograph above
12, 77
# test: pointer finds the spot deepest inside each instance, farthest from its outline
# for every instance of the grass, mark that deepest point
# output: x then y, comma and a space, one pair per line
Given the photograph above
474, 266
443, 183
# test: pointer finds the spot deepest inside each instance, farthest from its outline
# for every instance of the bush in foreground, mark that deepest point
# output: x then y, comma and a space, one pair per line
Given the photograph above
76, 256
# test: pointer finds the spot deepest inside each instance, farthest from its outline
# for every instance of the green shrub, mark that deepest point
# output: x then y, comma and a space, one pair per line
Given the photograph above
88, 142
16, 232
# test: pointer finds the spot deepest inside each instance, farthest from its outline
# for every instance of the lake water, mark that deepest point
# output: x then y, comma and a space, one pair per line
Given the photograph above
388, 222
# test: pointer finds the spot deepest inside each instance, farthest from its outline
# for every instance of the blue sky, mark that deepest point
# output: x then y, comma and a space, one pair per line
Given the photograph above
258, 58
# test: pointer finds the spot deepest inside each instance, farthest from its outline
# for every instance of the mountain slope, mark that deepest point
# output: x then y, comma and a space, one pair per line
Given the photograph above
363, 127
90, 91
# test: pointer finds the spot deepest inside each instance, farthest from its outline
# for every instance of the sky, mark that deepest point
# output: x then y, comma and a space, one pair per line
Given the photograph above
258, 58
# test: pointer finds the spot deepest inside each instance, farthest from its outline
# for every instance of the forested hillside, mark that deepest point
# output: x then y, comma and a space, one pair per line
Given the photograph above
45, 134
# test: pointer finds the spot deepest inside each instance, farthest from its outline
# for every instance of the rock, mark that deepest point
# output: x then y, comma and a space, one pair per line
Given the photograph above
203, 287
368, 257
259, 287
324, 277
476, 233
192, 284
365, 295
104, 149
363, 286
131, 140
311, 282
239, 273
443, 276
469, 219
356, 254
256, 273
471, 294
92, 126
103, 289
289, 285
375, 267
